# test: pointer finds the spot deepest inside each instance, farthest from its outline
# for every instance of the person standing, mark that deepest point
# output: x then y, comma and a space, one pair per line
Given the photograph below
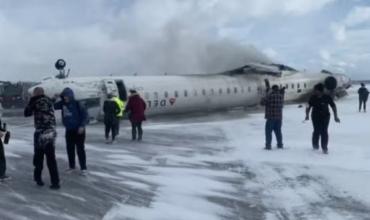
75, 119
363, 95
121, 106
319, 103
3, 175
274, 103
135, 109
41, 107
111, 120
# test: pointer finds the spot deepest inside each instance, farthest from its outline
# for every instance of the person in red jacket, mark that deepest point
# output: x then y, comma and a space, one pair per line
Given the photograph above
135, 109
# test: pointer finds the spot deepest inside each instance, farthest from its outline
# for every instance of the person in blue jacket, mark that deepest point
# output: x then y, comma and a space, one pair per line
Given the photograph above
75, 119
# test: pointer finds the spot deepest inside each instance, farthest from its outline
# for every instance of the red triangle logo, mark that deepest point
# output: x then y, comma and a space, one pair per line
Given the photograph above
172, 101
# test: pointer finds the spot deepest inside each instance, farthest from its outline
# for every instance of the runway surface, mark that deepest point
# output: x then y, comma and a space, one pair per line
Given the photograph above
205, 167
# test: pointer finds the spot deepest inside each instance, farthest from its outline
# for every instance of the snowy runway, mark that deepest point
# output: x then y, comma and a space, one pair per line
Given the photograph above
210, 167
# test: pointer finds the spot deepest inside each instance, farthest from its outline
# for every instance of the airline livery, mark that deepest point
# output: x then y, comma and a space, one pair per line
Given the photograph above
172, 94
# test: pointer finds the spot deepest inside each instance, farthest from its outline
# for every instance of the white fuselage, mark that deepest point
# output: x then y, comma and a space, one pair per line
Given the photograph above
169, 94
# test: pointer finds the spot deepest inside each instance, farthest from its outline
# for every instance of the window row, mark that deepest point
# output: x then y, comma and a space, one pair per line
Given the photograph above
220, 91
203, 92
293, 86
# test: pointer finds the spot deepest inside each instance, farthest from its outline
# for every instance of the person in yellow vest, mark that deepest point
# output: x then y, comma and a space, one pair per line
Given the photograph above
121, 104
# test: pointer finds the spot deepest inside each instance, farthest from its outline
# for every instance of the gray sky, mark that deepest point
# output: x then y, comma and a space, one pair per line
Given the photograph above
122, 37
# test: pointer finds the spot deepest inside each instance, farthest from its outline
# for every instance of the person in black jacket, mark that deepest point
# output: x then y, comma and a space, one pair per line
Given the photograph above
111, 120
319, 103
41, 107
3, 175
363, 94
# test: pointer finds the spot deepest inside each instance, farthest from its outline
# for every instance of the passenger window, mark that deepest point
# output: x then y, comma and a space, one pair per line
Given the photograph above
185, 93
204, 92
212, 91
176, 94
287, 86
166, 94
155, 95
292, 86
305, 85
220, 91
228, 90
235, 90
298, 86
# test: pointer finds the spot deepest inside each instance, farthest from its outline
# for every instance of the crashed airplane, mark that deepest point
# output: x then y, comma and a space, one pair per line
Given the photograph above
173, 94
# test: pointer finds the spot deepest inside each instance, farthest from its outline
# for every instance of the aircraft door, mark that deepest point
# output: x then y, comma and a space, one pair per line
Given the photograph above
122, 92
110, 87
267, 85
264, 88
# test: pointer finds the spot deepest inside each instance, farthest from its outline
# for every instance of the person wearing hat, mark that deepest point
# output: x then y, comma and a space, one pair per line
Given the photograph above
111, 120
319, 104
135, 109
363, 95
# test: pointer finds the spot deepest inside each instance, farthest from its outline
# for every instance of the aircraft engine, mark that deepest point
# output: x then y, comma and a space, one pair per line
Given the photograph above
331, 83
60, 64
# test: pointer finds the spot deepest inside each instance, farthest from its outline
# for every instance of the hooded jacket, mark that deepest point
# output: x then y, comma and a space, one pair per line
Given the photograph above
111, 111
74, 114
136, 108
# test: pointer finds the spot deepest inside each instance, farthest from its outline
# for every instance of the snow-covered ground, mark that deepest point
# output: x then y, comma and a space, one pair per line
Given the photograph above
202, 168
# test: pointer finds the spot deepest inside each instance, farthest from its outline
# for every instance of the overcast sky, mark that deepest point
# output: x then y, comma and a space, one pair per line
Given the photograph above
123, 37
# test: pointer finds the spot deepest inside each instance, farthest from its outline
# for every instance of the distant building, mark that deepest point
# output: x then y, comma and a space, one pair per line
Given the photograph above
14, 94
